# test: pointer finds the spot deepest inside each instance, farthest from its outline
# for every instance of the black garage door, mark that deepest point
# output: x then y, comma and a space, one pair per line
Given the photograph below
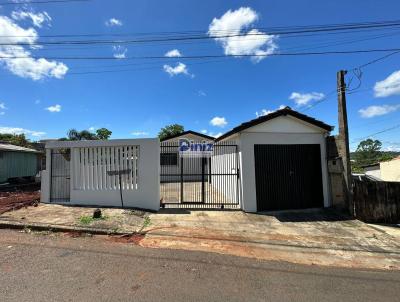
288, 177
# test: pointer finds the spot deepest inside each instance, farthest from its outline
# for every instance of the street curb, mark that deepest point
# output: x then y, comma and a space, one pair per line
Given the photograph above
59, 228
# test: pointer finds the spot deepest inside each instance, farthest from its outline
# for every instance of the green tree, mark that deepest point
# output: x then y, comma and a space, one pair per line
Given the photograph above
368, 152
75, 135
103, 133
170, 130
15, 139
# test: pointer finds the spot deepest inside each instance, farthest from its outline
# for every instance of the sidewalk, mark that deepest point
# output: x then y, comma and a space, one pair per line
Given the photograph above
66, 218
322, 238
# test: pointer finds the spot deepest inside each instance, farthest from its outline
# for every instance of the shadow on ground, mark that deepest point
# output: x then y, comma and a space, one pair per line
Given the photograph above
312, 215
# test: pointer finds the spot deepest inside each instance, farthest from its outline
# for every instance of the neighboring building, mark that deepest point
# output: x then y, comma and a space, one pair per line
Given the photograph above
171, 164
390, 170
385, 171
373, 170
283, 161
190, 135
18, 162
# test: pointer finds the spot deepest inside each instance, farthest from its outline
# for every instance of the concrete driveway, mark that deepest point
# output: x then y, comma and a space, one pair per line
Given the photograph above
321, 237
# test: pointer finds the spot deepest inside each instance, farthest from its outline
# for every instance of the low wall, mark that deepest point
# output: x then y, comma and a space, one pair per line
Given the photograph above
94, 169
377, 201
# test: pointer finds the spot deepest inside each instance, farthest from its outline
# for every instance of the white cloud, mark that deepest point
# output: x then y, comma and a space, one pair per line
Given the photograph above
201, 93
241, 42
25, 65
92, 129
389, 86
204, 131
2, 107
266, 111
218, 121
120, 51
174, 53
391, 148
55, 108
180, 68
113, 22
37, 18
372, 111
139, 133
216, 135
302, 99
13, 130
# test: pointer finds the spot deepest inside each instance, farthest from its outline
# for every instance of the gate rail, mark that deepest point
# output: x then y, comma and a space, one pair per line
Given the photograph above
199, 182
60, 175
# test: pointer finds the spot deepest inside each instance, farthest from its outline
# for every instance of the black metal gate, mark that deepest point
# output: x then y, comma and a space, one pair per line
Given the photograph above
200, 182
288, 177
60, 175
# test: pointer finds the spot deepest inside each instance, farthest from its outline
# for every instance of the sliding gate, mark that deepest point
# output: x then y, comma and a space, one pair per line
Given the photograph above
200, 182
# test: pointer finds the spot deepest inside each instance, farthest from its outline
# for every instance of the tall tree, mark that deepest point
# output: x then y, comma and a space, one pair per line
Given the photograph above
103, 133
170, 130
368, 152
15, 139
75, 135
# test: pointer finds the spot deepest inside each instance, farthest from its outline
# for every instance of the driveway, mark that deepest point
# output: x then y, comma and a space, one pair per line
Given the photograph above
321, 237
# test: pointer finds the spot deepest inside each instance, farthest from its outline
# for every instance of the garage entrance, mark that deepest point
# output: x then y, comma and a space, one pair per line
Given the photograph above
288, 177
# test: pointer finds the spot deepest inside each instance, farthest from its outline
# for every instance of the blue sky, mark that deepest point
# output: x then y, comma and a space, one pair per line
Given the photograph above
44, 98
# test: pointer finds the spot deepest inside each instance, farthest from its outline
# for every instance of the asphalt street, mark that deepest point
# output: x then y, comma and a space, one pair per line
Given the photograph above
59, 267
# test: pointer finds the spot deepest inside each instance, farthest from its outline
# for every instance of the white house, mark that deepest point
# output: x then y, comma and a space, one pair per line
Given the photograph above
283, 161
385, 171
274, 162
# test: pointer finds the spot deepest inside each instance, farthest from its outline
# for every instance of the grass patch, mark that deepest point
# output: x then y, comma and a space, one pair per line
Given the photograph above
86, 219
146, 222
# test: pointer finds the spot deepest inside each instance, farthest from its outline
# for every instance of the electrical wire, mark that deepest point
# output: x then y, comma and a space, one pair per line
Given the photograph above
376, 133
337, 52
215, 36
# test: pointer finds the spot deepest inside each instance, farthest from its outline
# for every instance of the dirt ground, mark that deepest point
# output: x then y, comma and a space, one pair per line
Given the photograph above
15, 199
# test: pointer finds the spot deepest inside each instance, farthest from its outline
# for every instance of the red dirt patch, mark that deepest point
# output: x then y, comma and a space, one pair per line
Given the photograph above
16, 200
135, 239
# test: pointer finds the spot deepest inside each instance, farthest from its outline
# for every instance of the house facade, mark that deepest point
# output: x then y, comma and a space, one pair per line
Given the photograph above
385, 171
18, 162
283, 162
275, 162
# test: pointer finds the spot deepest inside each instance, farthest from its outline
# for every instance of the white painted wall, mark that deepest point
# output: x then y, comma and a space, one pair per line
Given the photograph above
390, 170
282, 130
146, 192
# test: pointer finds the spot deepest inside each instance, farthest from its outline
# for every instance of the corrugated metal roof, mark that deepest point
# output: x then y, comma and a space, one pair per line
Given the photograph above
8, 147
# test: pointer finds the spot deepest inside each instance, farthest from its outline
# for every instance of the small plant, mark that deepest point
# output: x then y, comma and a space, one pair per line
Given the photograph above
146, 222
86, 219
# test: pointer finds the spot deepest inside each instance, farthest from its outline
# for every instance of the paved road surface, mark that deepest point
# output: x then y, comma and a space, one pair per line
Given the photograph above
36, 267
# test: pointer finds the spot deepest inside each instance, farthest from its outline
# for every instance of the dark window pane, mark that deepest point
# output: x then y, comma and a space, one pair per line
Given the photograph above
169, 159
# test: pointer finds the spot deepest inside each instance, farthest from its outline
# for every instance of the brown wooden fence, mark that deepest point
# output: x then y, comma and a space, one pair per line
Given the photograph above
377, 201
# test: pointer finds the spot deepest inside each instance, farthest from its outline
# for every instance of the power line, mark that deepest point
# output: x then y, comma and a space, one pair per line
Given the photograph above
215, 36
327, 96
376, 133
338, 52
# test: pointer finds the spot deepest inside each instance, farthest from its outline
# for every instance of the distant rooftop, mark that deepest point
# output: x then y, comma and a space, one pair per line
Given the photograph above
9, 147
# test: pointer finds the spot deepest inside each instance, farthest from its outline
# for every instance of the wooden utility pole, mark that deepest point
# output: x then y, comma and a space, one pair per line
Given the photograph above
344, 148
